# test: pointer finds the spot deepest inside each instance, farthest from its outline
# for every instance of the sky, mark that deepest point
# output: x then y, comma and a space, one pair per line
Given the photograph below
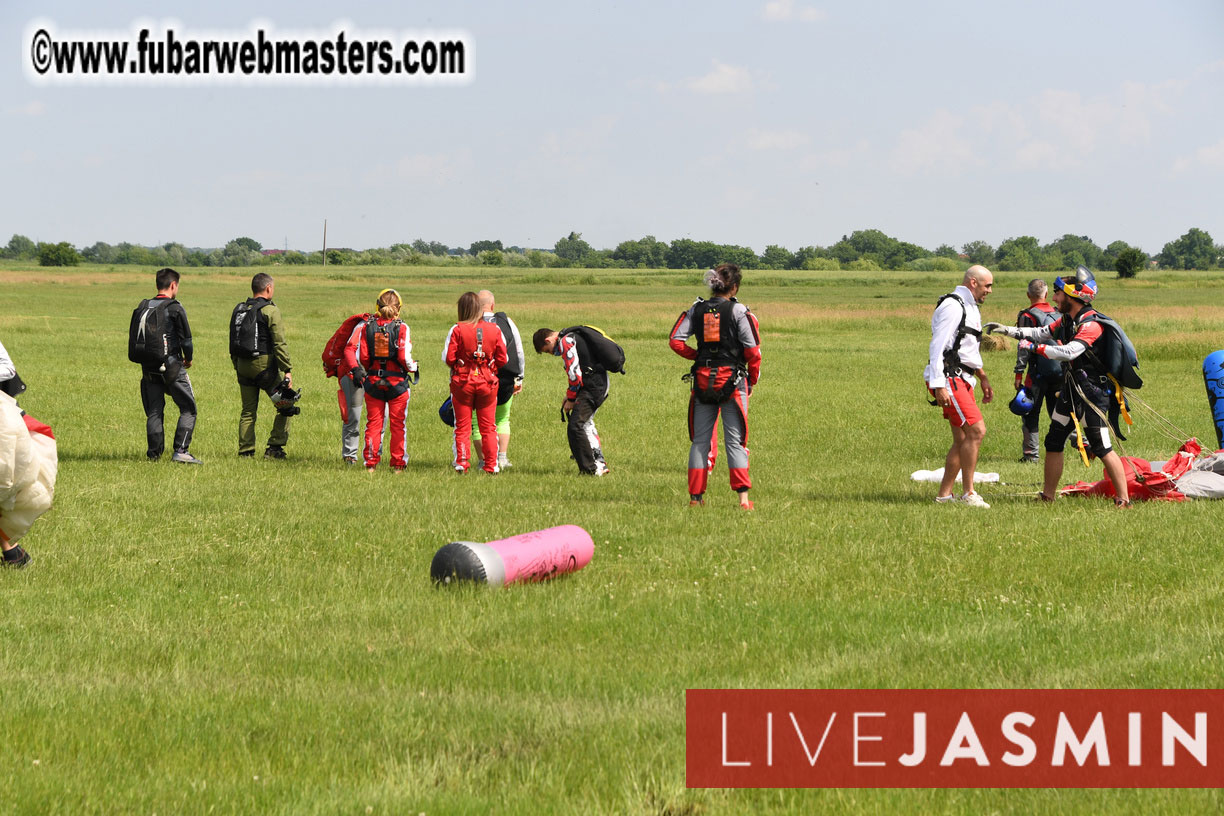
790, 122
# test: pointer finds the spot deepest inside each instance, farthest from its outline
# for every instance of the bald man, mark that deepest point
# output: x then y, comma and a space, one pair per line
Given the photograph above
953, 369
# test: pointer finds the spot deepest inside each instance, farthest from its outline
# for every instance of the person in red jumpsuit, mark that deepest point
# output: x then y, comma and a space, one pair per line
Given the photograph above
379, 356
474, 353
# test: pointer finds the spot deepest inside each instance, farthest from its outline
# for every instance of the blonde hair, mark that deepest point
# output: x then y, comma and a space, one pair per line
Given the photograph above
388, 304
469, 308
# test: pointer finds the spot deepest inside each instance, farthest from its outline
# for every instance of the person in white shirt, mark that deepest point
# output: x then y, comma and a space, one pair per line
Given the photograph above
952, 372
10, 383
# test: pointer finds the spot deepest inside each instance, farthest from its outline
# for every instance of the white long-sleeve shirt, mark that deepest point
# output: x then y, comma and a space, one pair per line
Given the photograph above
944, 323
7, 370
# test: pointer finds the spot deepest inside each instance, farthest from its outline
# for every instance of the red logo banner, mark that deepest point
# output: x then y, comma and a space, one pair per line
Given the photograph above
949, 738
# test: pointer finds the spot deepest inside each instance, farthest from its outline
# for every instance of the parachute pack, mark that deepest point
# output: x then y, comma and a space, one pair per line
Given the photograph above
149, 335
607, 354
383, 345
248, 334
1117, 355
333, 352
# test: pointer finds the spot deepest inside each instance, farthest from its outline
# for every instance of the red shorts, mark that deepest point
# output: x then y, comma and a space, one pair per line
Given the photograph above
962, 410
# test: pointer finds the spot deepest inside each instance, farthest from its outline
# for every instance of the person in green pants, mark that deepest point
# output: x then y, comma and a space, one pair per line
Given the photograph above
261, 359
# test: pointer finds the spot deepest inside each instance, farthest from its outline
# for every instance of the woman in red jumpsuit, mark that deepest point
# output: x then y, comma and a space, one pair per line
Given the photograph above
379, 354
474, 351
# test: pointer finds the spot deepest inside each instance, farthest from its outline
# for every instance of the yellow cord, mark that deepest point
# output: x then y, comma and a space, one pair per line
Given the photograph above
1121, 399
1079, 439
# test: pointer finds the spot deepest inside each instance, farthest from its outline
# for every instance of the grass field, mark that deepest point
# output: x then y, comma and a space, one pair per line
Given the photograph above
257, 636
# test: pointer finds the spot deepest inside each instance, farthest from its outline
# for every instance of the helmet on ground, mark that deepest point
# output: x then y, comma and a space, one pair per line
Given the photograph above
1082, 287
1022, 403
446, 412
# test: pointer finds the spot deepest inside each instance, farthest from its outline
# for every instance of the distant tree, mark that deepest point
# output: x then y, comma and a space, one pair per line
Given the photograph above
1129, 262
248, 243
1194, 250
1111, 253
948, 251
648, 253
1025, 243
1014, 258
20, 248
812, 253
237, 252
1076, 250
872, 244
777, 257
1048, 260
572, 249
492, 257
100, 253
484, 246
741, 256
979, 252
61, 254
820, 263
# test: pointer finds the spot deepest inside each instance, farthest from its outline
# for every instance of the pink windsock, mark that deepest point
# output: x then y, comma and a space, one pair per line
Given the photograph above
535, 556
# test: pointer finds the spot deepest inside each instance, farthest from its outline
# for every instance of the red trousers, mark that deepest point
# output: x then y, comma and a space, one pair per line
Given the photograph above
396, 410
480, 397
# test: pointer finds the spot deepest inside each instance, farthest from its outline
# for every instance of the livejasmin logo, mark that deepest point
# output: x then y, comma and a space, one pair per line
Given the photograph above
954, 738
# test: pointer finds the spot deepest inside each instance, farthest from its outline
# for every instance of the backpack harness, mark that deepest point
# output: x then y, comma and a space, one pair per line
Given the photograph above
716, 349
511, 369
148, 339
604, 353
249, 335
953, 365
1042, 367
1110, 368
383, 346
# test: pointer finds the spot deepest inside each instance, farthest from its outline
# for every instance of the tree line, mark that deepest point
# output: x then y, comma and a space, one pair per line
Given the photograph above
863, 250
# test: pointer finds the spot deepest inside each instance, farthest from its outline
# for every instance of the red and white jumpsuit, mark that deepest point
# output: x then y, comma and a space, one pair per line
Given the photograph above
382, 403
703, 417
474, 353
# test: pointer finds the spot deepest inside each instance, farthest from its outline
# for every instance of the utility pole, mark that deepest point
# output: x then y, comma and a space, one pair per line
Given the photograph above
325, 242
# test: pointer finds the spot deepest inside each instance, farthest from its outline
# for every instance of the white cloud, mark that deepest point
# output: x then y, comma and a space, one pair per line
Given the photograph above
432, 168
837, 158
1210, 157
723, 79
776, 139
1039, 154
783, 10
33, 108
940, 144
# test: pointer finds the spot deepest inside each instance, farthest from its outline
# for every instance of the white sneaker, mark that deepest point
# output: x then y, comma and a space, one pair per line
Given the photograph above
974, 500
602, 469
948, 499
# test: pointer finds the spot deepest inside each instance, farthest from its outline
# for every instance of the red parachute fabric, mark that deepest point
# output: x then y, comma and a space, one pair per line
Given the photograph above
1141, 481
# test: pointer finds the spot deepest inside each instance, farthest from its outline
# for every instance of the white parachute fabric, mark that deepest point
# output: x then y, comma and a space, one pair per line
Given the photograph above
28, 466
1201, 484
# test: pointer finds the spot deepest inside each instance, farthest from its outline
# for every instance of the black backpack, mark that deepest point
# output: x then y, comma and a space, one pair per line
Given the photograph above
149, 335
248, 333
607, 354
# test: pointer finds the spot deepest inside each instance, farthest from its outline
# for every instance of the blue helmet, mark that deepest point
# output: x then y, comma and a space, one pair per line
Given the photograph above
1022, 403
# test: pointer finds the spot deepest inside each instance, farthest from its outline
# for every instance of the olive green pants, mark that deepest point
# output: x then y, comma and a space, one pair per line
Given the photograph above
257, 377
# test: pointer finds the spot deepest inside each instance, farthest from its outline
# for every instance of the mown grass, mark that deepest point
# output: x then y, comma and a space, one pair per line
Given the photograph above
263, 637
